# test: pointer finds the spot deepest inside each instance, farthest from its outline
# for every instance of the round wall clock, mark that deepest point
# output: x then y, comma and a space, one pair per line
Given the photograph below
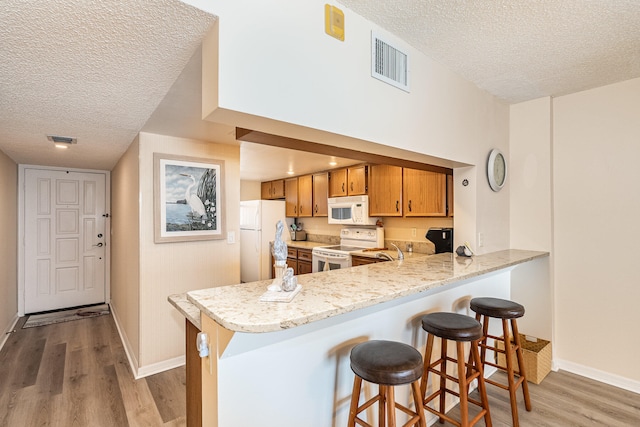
496, 170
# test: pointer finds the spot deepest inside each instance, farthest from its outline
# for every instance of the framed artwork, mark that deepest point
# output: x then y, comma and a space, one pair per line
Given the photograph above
188, 198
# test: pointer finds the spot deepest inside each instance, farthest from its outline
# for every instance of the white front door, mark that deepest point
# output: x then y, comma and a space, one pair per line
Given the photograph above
64, 239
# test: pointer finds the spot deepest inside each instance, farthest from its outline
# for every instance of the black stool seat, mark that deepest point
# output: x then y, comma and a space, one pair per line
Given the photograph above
386, 362
497, 308
452, 326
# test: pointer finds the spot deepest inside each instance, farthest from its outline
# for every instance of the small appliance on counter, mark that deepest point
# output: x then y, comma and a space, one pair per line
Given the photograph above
442, 238
297, 233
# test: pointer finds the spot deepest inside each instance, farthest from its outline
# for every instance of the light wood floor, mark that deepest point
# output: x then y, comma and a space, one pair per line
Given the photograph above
77, 374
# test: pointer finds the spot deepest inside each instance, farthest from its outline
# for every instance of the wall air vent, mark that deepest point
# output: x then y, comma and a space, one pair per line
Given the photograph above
388, 63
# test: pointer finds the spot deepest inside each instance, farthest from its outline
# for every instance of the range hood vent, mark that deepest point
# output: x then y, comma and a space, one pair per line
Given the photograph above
388, 63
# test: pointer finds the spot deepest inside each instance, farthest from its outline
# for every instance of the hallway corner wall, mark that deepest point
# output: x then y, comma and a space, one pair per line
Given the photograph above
9, 247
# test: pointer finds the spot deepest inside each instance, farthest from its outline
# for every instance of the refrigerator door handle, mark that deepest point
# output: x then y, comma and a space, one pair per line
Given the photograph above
257, 242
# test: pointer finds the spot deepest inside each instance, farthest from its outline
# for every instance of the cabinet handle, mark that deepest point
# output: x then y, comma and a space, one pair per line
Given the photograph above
409, 205
300, 210
295, 209
343, 187
351, 185
397, 206
316, 208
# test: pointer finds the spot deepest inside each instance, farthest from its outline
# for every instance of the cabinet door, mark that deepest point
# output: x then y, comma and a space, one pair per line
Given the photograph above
304, 267
265, 190
320, 184
305, 196
450, 195
362, 260
293, 263
338, 183
385, 190
357, 180
277, 189
291, 197
425, 193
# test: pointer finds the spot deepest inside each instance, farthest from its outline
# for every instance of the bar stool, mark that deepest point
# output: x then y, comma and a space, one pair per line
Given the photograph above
506, 311
457, 328
386, 363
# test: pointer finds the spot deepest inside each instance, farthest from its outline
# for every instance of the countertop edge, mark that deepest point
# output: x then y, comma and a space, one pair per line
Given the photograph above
422, 285
189, 310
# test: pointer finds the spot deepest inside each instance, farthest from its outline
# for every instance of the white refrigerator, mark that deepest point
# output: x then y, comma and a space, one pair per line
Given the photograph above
258, 219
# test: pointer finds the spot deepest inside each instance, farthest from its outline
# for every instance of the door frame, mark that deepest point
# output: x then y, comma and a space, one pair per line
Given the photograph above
21, 229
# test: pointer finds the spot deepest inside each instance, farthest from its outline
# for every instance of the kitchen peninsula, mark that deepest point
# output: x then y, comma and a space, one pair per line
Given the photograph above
287, 364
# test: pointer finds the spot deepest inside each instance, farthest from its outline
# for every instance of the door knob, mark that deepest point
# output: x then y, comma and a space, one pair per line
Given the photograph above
99, 245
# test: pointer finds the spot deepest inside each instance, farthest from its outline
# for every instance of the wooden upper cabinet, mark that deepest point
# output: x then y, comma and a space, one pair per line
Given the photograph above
424, 193
272, 189
291, 197
385, 190
338, 183
449, 195
351, 181
305, 196
320, 188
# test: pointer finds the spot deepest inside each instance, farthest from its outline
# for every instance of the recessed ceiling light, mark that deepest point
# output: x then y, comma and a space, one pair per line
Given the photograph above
333, 163
290, 172
62, 141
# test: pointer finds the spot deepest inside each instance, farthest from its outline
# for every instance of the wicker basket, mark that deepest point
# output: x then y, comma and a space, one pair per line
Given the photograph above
537, 357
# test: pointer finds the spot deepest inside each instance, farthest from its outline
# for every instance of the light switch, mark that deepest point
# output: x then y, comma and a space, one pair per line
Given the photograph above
231, 237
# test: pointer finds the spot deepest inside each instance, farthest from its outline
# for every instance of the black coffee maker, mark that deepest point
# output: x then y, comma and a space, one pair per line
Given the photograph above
442, 238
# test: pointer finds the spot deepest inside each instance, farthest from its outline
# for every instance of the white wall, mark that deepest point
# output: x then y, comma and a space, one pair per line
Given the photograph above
596, 201
531, 211
169, 268
279, 72
9, 246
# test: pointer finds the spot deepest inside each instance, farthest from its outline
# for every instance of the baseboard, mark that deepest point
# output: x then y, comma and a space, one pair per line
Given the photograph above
165, 365
6, 332
598, 375
128, 350
144, 371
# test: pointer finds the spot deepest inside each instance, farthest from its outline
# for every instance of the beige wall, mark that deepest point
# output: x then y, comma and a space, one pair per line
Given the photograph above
125, 248
9, 246
250, 190
596, 197
531, 214
170, 268
144, 273
442, 117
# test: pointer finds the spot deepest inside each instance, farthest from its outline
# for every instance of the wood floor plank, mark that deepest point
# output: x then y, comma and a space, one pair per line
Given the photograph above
82, 378
169, 399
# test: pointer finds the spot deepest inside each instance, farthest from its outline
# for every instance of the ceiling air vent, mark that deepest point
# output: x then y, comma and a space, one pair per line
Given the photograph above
388, 63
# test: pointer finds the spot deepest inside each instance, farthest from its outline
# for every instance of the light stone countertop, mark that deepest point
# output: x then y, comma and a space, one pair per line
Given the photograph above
188, 310
330, 293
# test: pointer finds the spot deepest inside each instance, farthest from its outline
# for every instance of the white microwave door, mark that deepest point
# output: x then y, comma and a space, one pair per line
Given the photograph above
341, 214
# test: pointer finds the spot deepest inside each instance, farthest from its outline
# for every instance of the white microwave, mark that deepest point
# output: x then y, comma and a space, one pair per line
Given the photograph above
350, 210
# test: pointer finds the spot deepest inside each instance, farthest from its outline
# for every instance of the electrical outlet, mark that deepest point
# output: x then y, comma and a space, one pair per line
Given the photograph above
231, 237
413, 232
480, 240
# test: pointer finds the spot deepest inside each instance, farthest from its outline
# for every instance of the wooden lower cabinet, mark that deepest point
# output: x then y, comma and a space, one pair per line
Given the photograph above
193, 377
300, 260
363, 260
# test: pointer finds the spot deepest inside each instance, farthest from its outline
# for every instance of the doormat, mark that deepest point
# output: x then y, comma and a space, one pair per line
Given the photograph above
66, 315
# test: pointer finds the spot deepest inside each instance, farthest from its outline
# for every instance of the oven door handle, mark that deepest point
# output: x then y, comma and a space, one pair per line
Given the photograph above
334, 256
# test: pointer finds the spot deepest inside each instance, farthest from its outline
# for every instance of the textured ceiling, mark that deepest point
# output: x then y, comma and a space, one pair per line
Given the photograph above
92, 69
99, 69
519, 49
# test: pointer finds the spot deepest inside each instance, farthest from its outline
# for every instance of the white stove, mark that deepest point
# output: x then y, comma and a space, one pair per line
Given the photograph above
353, 239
